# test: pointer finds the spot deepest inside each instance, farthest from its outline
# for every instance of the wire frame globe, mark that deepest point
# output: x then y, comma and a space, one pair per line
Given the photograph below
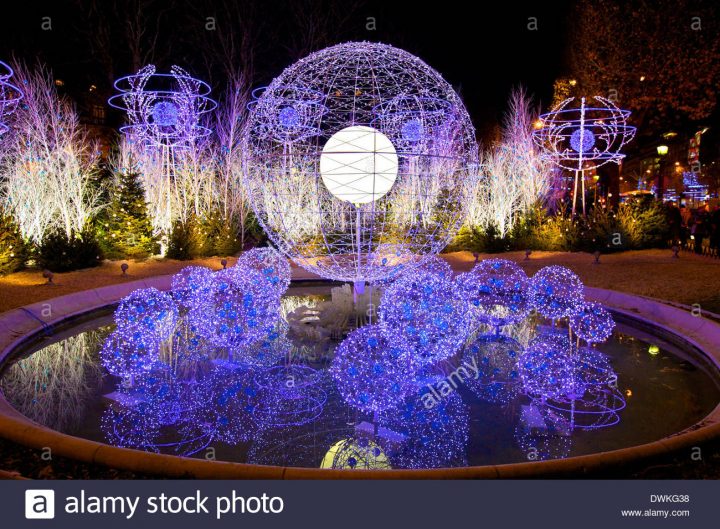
359, 161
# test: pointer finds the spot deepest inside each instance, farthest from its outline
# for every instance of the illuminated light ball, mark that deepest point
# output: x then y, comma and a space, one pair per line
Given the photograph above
192, 285
556, 292
358, 164
240, 310
356, 454
588, 140
269, 350
413, 130
130, 427
165, 114
345, 181
548, 369
435, 431
168, 398
274, 267
147, 311
496, 359
653, 349
374, 368
127, 354
592, 323
424, 308
497, 291
289, 117
594, 367
228, 398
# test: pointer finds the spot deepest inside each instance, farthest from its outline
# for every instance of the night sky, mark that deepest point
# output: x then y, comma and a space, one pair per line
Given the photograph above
483, 50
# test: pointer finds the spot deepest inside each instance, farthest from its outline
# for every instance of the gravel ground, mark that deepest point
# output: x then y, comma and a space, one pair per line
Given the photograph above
689, 280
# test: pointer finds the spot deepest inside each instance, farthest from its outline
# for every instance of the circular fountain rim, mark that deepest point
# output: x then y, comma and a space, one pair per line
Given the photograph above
20, 326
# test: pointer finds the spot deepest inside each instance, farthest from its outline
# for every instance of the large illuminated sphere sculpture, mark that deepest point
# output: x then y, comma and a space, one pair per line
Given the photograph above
9, 95
584, 133
359, 160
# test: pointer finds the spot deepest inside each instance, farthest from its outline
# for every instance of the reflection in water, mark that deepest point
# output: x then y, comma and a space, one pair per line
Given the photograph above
53, 386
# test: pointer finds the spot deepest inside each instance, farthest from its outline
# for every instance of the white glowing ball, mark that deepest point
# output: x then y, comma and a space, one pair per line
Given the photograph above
358, 164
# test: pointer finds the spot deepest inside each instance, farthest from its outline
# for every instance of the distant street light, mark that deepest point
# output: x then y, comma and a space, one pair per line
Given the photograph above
662, 151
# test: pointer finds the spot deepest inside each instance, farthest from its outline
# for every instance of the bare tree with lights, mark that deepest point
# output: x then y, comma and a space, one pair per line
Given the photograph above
49, 163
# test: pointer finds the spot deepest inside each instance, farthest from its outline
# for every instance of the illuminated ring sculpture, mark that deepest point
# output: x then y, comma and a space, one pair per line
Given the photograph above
9, 95
163, 109
572, 136
386, 158
584, 133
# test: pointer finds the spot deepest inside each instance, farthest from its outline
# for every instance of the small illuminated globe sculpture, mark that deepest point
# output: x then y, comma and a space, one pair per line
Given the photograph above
497, 291
584, 133
9, 95
359, 161
374, 368
593, 323
556, 292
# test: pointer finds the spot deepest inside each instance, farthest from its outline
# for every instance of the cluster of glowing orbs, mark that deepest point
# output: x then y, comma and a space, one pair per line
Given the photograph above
356, 454
358, 164
548, 368
273, 266
592, 323
497, 291
556, 292
374, 368
424, 308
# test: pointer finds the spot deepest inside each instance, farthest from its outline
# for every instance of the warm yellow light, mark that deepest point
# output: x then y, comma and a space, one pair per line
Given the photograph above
538, 124
642, 78
662, 150
653, 349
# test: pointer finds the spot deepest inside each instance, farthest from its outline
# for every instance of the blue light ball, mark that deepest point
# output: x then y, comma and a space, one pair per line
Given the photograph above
588, 140
165, 114
289, 117
413, 130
